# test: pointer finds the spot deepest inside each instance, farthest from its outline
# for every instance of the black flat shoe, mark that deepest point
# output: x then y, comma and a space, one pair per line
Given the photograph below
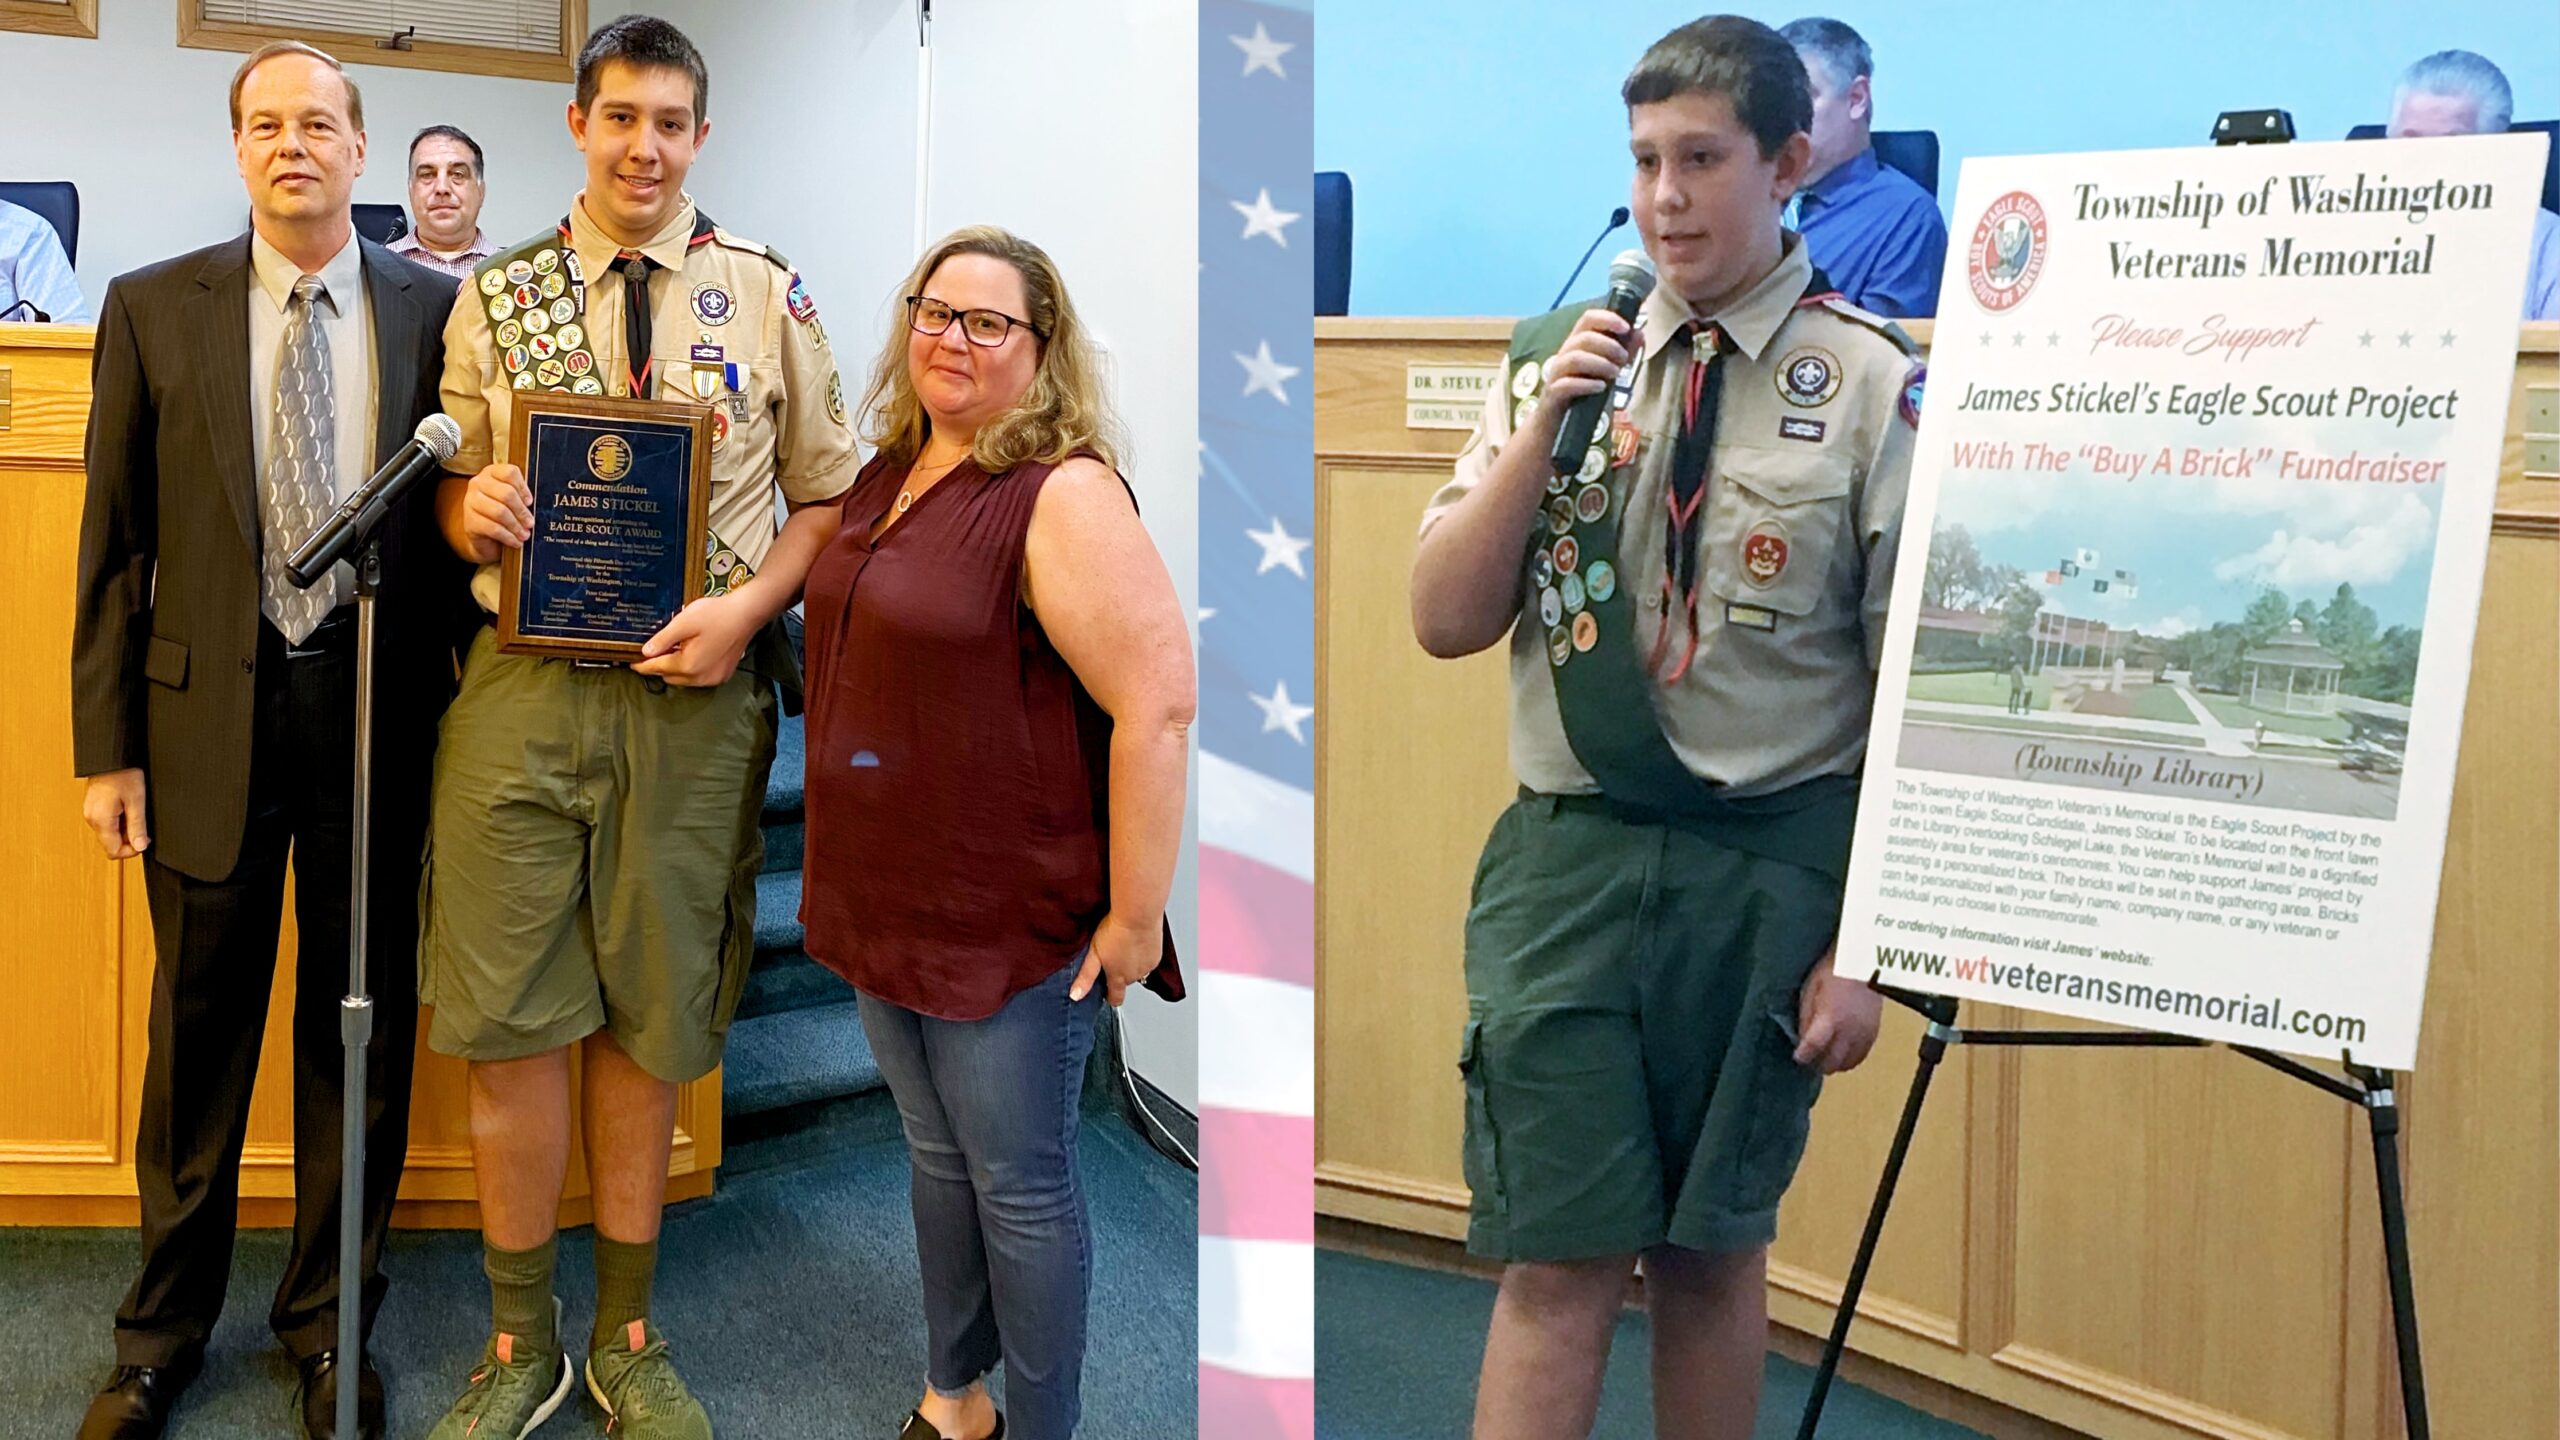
136, 1403
919, 1428
316, 1398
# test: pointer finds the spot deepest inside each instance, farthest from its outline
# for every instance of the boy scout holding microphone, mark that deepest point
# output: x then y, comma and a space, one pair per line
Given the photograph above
594, 841
1694, 613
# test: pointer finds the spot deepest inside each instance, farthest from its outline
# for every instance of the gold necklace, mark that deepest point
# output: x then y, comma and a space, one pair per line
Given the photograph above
907, 496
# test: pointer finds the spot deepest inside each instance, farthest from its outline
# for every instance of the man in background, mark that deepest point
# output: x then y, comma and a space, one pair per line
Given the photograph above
36, 283
1871, 228
2454, 92
243, 392
448, 179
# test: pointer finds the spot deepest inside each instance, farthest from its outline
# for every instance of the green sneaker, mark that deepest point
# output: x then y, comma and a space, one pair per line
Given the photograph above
516, 1386
642, 1396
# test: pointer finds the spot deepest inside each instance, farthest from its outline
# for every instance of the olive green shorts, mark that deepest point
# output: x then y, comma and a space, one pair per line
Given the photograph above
591, 860
1631, 1027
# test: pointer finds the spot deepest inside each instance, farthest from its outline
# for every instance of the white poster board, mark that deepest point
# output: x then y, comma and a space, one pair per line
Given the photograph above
2165, 727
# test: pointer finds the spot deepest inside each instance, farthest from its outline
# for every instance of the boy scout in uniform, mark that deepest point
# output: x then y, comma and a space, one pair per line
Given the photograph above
1694, 616
594, 843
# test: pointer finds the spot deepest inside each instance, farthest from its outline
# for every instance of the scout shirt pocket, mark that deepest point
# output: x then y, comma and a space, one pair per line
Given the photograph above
1775, 526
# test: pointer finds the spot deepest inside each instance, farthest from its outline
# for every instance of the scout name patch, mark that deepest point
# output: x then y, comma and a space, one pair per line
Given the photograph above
1809, 376
1764, 554
1750, 617
1797, 427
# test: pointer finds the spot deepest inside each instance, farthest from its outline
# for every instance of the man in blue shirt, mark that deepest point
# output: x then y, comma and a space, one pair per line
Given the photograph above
2454, 92
1871, 228
34, 273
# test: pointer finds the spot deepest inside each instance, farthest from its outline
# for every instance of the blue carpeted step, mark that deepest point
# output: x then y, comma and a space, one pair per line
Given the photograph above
797, 1057
777, 913
783, 791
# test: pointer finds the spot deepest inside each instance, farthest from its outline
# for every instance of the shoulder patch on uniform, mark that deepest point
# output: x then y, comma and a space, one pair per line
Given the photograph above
1908, 407
1869, 320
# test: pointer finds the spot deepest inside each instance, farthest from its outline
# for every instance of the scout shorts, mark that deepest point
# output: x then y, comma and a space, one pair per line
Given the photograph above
1631, 1027
591, 860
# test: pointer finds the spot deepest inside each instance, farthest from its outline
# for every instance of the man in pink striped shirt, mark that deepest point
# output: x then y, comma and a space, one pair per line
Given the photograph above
447, 182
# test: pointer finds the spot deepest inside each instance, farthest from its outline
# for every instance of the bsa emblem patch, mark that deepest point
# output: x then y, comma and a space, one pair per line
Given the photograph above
610, 457
1909, 406
492, 281
1601, 581
713, 305
1568, 555
2006, 253
1809, 376
1764, 554
803, 309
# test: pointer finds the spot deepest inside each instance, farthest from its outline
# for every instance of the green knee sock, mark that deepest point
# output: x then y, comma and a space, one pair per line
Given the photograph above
520, 1290
623, 1273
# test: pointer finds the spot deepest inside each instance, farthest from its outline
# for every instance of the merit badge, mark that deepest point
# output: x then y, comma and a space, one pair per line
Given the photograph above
1809, 376
1550, 606
1559, 644
510, 333
1595, 462
803, 309
1586, 630
519, 271
1542, 570
1557, 484
1909, 406
492, 281
500, 307
835, 396
1559, 515
1520, 414
546, 262
515, 361
712, 305
550, 373
1622, 440
527, 296
563, 310
1602, 581
1568, 554
543, 347
522, 381
1524, 381
553, 284
537, 320
719, 427
1572, 591
587, 384
1798, 427
1591, 502
579, 362
573, 337
1764, 554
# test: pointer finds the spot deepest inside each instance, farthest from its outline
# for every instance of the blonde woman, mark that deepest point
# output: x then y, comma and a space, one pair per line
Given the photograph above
1000, 686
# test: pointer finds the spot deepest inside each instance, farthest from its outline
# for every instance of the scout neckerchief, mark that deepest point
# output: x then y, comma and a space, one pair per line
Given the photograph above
1605, 692
536, 297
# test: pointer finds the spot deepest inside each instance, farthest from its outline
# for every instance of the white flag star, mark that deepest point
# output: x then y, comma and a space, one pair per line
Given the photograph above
1261, 372
1261, 52
1263, 218
1278, 713
1280, 548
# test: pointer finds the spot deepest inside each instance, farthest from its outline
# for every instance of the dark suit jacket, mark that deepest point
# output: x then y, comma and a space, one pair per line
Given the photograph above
165, 642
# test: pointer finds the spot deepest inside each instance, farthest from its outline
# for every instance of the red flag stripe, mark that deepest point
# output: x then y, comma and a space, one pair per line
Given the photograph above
1253, 1407
1255, 920
1257, 1175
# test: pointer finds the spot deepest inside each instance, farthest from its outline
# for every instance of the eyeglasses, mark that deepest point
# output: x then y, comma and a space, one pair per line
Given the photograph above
928, 316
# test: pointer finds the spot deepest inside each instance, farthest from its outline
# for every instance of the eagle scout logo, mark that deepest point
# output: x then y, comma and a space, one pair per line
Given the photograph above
1809, 377
2007, 251
1764, 554
610, 457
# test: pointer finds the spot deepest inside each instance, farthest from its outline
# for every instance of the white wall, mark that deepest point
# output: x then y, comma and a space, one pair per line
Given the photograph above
813, 150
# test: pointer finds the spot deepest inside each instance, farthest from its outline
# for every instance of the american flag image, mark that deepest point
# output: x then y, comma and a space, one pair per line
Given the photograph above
1257, 757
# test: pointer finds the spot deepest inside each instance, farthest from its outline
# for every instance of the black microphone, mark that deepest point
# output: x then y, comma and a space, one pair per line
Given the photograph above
437, 438
1617, 218
1630, 280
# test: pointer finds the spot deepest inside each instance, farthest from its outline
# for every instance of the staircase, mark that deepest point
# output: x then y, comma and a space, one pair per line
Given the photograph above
796, 1045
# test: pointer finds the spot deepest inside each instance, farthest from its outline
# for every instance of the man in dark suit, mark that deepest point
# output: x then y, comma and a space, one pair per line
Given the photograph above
241, 392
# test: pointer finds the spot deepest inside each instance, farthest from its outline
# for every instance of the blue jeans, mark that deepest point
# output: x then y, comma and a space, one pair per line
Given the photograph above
989, 1108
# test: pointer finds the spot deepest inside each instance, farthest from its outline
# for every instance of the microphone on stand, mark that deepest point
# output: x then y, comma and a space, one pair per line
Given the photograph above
1630, 280
437, 438
1617, 218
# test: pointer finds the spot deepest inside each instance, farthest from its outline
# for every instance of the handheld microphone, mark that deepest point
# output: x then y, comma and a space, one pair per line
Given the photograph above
1630, 280
437, 438
1617, 218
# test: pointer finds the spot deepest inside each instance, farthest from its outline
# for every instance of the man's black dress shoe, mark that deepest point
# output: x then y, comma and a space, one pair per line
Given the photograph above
317, 1398
136, 1403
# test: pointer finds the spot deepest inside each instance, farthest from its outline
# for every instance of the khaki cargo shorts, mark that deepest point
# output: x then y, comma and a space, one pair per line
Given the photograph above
591, 860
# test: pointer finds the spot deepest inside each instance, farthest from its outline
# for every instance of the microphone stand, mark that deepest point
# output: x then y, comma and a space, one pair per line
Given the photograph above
355, 1014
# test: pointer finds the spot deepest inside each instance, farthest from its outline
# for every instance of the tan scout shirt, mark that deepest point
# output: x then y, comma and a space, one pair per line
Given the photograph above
788, 424
1780, 689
